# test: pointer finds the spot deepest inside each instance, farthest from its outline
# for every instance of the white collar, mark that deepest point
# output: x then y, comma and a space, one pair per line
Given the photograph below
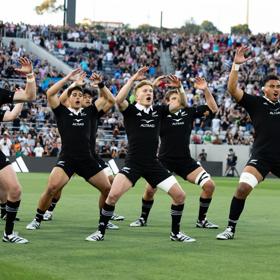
74, 111
270, 100
143, 108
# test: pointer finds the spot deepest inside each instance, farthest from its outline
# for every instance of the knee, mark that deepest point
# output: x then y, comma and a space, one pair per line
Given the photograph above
52, 189
112, 198
14, 192
179, 197
209, 188
149, 193
243, 191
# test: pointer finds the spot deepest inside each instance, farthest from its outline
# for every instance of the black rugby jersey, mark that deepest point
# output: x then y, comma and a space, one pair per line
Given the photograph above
75, 130
6, 96
2, 113
142, 131
265, 116
175, 132
94, 128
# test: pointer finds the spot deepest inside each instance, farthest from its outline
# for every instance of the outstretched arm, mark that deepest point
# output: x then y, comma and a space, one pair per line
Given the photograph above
232, 86
11, 115
200, 83
123, 93
54, 89
29, 94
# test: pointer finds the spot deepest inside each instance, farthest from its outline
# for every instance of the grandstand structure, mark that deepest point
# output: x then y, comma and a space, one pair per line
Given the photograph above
118, 53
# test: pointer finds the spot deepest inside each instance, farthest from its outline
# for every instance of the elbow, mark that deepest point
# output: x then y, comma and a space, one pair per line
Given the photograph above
118, 100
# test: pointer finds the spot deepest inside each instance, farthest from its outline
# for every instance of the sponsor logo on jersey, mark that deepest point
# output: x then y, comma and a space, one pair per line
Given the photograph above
275, 111
78, 122
154, 114
147, 123
178, 121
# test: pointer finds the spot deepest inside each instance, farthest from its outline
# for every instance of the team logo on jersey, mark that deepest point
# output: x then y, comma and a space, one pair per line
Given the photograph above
71, 114
253, 161
126, 169
139, 114
154, 114
169, 116
61, 163
184, 114
147, 123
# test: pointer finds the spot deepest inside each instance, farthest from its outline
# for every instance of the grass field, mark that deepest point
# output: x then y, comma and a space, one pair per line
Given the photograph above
58, 249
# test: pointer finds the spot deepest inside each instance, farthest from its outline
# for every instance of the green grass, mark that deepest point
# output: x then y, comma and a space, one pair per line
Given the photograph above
58, 249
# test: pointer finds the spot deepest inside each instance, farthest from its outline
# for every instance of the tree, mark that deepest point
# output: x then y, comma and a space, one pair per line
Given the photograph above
240, 29
48, 6
191, 27
209, 27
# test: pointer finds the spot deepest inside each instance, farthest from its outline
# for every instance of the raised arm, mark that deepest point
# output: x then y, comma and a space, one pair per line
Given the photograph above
29, 94
200, 83
232, 86
11, 115
106, 100
123, 93
54, 89
78, 80
174, 81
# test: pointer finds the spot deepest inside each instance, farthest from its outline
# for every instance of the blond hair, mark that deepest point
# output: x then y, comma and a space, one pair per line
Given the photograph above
141, 84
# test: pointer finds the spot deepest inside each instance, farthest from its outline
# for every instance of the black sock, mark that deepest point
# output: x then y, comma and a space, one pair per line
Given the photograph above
53, 204
39, 215
3, 209
11, 209
106, 213
204, 204
236, 208
176, 215
146, 208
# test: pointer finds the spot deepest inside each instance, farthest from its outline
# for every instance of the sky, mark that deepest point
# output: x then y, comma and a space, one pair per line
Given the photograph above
263, 15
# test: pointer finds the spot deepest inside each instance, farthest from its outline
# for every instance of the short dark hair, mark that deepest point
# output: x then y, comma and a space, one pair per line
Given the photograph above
169, 93
269, 78
74, 88
89, 91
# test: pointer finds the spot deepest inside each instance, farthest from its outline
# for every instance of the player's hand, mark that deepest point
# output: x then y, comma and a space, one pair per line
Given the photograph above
200, 83
158, 80
26, 66
173, 81
239, 57
95, 79
140, 74
74, 75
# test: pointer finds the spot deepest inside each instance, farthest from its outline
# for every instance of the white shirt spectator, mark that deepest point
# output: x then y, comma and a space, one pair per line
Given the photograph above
38, 151
5, 145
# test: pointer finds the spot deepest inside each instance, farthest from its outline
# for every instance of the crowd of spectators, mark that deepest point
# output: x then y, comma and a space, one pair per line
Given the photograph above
119, 54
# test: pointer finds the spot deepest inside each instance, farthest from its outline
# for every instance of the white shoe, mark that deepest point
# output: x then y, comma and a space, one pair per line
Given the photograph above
48, 216
96, 236
33, 225
181, 237
14, 238
206, 224
112, 226
117, 217
226, 235
139, 223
